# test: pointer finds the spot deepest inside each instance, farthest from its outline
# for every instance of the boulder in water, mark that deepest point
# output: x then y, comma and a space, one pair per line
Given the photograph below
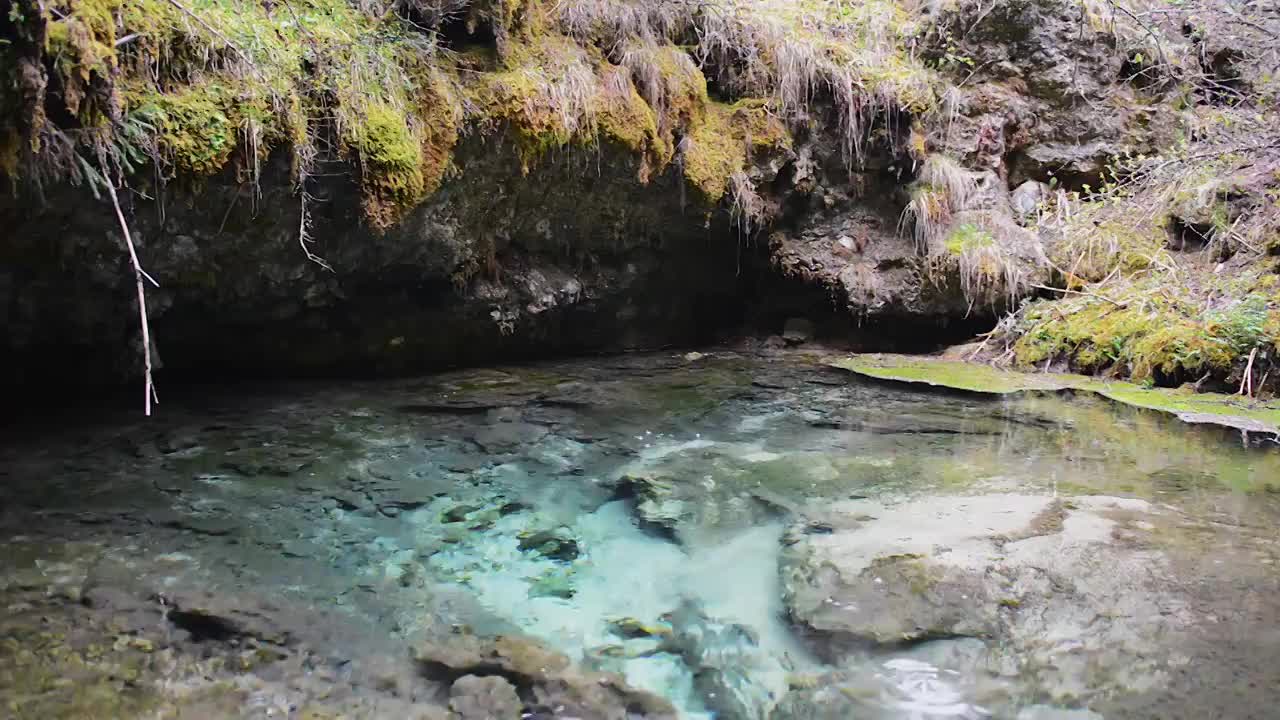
1052, 586
474, 697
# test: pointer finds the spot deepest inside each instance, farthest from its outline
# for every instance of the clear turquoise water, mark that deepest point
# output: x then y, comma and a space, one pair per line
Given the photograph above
498, 498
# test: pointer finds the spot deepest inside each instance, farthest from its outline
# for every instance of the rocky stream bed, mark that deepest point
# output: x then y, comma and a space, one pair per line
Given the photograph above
737, 534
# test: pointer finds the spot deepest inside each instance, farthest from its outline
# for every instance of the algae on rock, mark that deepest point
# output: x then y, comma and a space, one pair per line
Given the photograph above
1196, 408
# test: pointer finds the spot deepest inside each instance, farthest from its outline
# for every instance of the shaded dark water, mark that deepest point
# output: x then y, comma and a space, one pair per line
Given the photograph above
669, 520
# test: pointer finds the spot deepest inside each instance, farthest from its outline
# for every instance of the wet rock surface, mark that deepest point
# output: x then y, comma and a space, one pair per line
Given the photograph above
474, 697
1044, 582
750, 536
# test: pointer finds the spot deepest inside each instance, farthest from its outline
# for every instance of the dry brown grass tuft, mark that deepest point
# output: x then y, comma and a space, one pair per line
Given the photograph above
942, 188
789, 51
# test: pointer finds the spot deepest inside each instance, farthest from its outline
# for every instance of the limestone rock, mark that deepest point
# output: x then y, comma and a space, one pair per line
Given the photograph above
1045, 583
698, 501
510, 655
554, 684
828, 702
1026, 199
484, 698
506, 437
1044, 712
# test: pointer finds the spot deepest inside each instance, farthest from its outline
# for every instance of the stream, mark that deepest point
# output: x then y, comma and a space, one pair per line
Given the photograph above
731, 535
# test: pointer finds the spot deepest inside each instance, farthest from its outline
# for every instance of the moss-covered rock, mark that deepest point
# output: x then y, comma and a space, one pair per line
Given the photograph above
1196, 408
198, 127
724, 140
1147, 329
81, 39
392, 159
551, 93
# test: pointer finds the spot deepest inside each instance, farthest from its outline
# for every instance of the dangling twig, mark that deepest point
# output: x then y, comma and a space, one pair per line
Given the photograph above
304, 238
1247, 382
149, 390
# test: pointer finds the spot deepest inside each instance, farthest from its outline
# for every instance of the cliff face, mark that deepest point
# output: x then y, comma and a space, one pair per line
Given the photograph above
388, 187
564, 259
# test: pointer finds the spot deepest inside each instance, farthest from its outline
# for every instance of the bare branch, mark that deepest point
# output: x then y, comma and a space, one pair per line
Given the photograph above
149, 390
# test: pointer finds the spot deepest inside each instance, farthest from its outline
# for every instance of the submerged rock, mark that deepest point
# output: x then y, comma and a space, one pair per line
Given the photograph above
552, 544
474, 697
902, 598
730, 670
556, 582
1050, 585
1044, 712
507, 437
697, 504
828, 702
546, 678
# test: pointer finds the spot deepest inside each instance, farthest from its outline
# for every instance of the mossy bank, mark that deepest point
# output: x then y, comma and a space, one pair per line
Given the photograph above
322, 186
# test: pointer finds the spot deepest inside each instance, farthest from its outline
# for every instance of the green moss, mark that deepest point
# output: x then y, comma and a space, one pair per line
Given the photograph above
231, 80
439, 117
391, 157
755, 121
713, 153
552, 93
1196, 407
80, 39
723, 143
539, 97
967, 238
912, 87
862, 44
255, 77
627, 120
1146, 327
1271, 328
970, 377
684, 87
511, 21
196, 125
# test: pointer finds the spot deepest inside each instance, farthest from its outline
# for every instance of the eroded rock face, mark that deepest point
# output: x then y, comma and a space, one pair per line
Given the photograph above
574, 253
1047, 97
1044, 583
576, 256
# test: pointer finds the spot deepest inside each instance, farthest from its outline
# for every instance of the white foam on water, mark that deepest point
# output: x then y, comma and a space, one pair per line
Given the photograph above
919, 691
663, 449
756, 423
620, 574
624, 572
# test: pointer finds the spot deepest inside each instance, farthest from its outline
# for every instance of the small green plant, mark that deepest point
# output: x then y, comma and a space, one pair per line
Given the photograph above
942, 188
1243, 326
968, 237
